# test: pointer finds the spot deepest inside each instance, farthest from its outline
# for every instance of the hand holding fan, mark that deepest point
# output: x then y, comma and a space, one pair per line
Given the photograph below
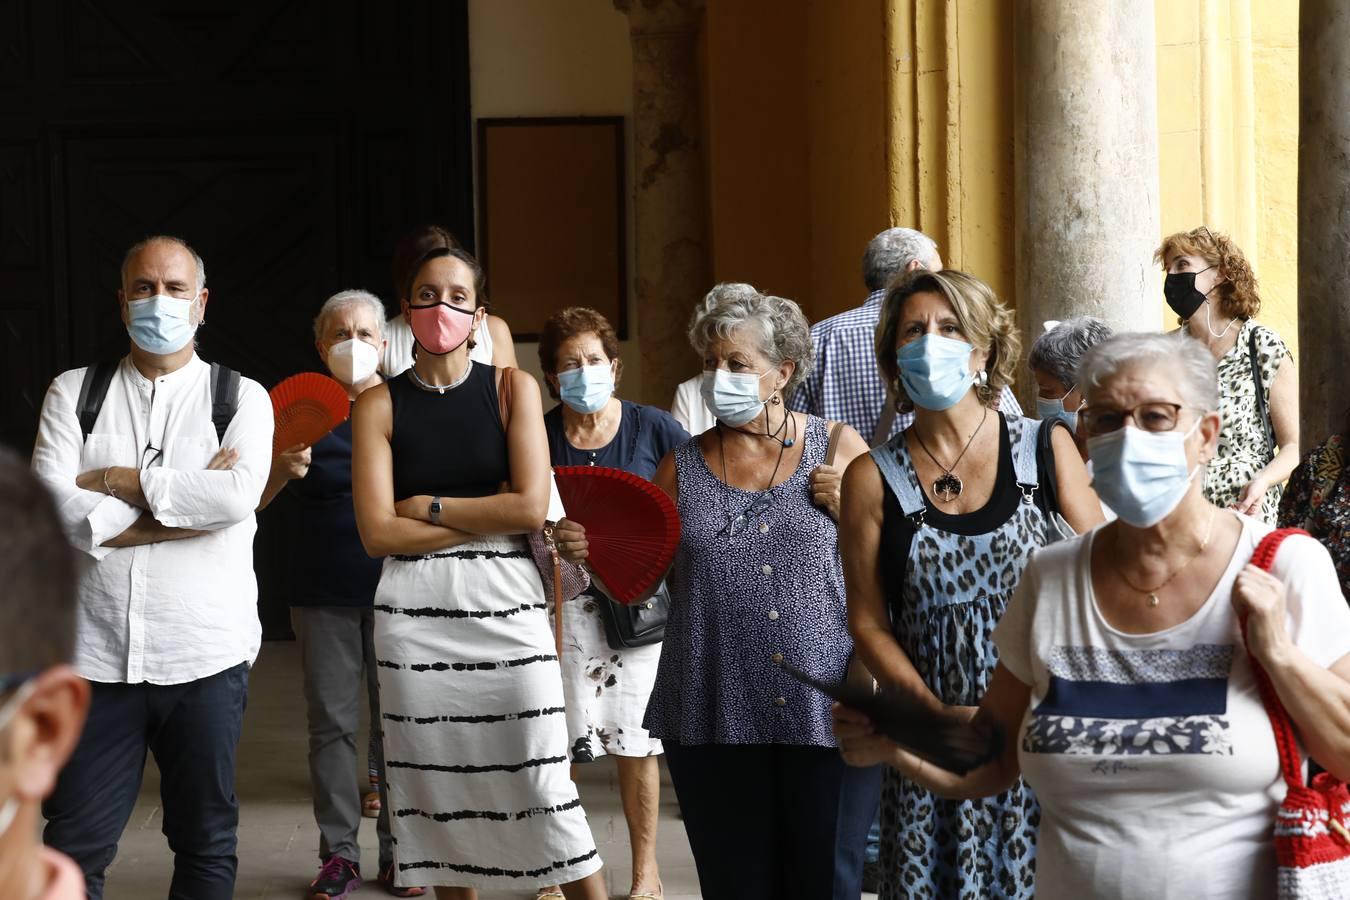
306, 407
946, 741
632, 527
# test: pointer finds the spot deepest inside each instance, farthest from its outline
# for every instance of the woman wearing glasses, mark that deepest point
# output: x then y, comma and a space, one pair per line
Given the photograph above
756, 582
1127, 701
937, 526
1211, 287
470, 691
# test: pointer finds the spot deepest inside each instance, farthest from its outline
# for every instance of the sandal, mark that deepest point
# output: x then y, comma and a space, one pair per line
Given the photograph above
658, 894
370, 805
549, 894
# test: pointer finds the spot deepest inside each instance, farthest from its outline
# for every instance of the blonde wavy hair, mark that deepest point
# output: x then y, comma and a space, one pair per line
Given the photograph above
985, 321
1238, 297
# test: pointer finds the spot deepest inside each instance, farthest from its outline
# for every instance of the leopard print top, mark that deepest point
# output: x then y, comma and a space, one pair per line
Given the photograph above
1244, 443
954, 589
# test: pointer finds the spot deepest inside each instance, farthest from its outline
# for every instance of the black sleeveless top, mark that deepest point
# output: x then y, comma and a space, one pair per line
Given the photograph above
451, 444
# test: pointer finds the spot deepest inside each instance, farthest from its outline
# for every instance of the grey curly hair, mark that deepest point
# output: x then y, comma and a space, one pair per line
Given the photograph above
780, 324
1058, 351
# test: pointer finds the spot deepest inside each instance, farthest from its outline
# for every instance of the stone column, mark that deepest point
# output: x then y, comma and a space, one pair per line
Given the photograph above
669, 192
1086, 156
1323, 217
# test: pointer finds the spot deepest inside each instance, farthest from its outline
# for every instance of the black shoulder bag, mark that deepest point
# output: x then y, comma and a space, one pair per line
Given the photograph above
641, 622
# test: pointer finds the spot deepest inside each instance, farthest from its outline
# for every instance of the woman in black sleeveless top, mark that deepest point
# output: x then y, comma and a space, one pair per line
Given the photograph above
470, 692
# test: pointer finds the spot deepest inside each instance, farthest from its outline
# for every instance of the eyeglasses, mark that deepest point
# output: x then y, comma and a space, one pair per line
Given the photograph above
1148, 416
741, 521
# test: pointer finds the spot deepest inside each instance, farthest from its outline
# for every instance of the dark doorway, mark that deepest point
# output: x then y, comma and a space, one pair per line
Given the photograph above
289, 141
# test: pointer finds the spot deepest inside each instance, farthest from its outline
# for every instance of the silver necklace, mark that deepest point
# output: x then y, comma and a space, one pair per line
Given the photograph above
441, 388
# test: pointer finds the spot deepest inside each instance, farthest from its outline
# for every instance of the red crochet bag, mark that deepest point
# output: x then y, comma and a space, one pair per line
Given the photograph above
1312, 827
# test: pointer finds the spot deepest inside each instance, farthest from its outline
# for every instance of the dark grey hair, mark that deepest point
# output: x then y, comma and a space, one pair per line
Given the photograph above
1058, 351
890, 253
343, 299
1198, 383
780, 325
168, 238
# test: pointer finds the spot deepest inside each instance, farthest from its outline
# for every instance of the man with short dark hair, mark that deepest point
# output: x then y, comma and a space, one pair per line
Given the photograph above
42, 701
156, 463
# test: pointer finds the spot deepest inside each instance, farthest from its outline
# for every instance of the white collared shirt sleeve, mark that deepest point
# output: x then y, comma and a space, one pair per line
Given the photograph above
209, 500
89, 517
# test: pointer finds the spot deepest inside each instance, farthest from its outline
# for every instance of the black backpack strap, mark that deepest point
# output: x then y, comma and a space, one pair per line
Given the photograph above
97, 378
224, 398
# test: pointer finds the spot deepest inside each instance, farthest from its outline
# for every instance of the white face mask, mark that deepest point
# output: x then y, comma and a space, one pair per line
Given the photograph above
352, 362
10, 808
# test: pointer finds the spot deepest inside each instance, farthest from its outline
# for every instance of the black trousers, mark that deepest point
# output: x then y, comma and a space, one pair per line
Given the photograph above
193, 731
772, 820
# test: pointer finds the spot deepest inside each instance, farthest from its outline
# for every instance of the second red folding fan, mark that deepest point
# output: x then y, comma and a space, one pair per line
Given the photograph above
307, 406
632, 526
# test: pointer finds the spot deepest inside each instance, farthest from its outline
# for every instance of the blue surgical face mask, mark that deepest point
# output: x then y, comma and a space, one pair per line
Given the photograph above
161, 324
733, 397
1054, 409
935, 371
587, 389
1141, 475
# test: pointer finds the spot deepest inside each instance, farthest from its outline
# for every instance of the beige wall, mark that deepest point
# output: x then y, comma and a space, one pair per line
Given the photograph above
553, 58
1228, 135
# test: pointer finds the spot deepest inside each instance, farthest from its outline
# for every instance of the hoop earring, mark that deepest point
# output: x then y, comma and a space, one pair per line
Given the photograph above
982, 377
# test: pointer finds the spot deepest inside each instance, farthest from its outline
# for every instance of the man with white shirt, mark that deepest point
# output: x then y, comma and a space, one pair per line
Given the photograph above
157, 488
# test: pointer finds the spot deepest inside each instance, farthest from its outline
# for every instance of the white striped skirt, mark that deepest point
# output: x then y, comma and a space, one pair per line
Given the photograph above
475, 738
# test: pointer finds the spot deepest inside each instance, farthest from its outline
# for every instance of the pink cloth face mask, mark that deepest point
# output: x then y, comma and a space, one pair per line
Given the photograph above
440, 328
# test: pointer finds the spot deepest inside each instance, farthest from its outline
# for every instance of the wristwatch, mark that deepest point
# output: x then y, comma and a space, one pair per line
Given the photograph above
435, 510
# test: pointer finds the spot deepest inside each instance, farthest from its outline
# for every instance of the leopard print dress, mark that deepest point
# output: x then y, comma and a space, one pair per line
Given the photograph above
1244, 442
953, 592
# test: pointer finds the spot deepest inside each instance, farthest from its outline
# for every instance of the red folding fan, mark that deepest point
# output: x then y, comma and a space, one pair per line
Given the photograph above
631, 525
306, 407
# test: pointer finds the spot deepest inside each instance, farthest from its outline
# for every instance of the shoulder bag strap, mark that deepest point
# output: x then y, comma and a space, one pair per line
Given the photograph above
1262, 408
1291, 765
93, 390
836, 429
504, 407
504, 396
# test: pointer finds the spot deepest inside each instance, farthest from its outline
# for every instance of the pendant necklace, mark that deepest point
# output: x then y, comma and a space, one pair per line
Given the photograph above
1153, 594
949, 486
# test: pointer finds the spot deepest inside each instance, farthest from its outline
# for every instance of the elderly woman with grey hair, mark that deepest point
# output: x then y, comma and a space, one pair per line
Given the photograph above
332, 610
1053, 362
756, 582
1127, 700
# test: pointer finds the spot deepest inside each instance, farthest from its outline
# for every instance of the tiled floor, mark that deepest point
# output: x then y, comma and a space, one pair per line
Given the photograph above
278, 842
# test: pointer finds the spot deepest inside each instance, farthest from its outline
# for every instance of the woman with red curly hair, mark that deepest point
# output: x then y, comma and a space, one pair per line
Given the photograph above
1211, 287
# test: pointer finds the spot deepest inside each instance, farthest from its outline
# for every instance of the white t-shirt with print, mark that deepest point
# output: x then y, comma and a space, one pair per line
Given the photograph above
1151, 754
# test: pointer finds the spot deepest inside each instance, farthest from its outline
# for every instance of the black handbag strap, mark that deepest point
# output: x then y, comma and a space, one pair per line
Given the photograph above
1262, 408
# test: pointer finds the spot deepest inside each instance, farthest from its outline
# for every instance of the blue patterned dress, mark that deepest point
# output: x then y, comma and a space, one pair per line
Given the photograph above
947, 592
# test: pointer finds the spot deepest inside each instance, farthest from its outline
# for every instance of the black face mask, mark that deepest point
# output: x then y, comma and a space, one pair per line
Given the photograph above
1180, 293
